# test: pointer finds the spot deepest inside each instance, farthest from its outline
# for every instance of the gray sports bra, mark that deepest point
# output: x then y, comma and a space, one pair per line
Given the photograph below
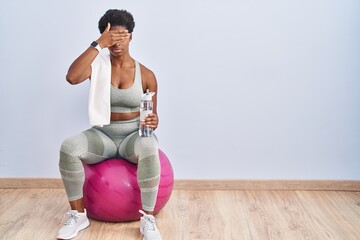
127, 100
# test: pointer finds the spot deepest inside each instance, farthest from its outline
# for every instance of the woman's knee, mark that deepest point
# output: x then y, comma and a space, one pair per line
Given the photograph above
74, 145
147, 146
70, 150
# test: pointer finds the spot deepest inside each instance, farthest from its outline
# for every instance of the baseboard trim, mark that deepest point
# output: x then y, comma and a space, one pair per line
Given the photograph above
29, 183
281, 185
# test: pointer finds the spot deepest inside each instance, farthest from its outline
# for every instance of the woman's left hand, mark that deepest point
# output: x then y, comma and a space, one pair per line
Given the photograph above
152, 121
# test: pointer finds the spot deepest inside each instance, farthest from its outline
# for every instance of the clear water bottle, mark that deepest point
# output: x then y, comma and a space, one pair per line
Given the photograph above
146, 107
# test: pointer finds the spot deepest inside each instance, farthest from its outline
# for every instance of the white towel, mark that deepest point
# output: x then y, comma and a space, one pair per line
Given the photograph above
99, 96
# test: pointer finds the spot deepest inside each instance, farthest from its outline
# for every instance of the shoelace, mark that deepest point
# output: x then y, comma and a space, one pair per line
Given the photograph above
150, 221
73, 217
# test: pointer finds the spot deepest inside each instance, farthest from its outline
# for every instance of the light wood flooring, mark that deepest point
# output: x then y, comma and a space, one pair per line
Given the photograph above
197, 214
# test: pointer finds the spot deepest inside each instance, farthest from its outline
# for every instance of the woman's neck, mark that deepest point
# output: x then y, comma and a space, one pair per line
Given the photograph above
121, 60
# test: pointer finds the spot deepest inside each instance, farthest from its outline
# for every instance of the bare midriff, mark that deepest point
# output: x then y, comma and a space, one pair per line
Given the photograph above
124, 116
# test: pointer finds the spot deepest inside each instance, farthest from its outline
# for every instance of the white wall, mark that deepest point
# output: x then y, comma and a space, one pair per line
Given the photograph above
247, 89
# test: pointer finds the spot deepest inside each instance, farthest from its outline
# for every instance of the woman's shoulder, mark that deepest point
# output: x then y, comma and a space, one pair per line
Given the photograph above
146, 72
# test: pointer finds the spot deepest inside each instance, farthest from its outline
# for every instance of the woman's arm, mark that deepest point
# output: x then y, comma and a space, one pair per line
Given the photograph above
80, 69
150, 82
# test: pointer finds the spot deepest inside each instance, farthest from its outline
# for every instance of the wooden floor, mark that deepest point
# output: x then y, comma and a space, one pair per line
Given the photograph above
197, 214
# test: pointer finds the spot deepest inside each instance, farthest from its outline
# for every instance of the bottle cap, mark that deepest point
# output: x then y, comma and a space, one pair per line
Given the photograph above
147, 96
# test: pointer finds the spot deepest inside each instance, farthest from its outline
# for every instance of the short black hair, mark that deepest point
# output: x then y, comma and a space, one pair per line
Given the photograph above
117, 18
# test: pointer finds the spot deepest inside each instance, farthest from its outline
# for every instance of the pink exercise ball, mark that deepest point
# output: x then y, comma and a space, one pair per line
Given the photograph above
112, 194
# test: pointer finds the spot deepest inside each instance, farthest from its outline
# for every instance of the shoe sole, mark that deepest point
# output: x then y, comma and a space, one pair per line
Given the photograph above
144, 238
81, 227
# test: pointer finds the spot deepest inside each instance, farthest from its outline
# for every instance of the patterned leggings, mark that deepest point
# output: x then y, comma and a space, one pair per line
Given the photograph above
118, 139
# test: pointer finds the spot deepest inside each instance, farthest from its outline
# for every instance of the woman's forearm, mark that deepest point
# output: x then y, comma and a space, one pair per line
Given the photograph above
80, 69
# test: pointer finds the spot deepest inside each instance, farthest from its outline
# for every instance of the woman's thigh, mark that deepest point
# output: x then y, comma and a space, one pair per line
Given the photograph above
91, 146
134, 146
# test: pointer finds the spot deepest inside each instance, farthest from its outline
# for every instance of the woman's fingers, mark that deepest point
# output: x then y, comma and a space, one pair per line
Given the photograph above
151, 120
112, 37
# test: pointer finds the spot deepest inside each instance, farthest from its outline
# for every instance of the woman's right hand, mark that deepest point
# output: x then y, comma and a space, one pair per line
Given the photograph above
109, 38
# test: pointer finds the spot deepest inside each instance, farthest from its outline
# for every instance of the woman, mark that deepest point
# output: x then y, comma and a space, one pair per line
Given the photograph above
117, 83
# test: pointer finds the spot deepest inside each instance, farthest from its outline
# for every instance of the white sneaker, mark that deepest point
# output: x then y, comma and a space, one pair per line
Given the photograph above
148, 227
76, 222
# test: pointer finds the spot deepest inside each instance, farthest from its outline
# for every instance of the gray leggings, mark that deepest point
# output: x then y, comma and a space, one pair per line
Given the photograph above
118, 139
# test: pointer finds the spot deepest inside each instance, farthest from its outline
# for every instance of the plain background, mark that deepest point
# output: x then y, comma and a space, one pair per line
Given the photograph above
247, 89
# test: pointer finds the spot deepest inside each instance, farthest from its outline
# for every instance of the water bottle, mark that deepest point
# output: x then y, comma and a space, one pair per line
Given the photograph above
146, 106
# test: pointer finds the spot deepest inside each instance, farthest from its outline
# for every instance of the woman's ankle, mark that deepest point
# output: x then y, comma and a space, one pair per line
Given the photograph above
77, 205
